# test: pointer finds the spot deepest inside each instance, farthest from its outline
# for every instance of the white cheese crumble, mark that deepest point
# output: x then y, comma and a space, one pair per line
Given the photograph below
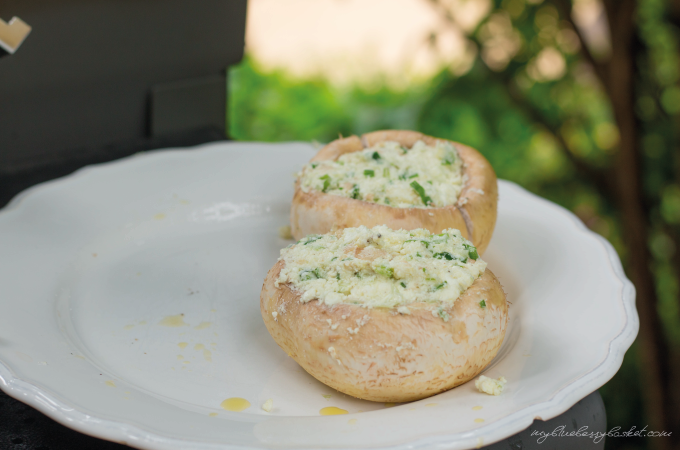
489, 385
423, 176
381, 268
268, 405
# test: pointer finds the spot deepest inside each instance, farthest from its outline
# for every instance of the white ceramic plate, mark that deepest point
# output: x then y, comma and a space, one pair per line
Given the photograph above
129, 310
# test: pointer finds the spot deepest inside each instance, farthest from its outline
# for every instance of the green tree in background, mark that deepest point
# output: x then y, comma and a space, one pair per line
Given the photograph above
594, 129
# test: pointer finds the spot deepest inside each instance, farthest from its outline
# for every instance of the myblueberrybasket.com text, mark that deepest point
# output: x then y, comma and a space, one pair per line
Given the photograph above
596, 436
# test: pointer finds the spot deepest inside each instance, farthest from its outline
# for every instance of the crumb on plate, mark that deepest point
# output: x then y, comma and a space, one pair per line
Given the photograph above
489, 385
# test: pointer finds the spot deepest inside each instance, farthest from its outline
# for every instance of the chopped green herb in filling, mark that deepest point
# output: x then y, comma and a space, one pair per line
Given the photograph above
472, 251
355, 192
388, 268
444, 255
311, 238
421, 192
326, 182
482, 304
385, 271
438, 169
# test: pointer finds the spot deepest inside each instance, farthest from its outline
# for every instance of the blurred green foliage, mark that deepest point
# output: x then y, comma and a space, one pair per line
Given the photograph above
532, 128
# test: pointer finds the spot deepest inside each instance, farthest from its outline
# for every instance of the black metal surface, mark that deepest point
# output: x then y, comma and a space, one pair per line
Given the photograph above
24, 428
182, 106
83, 77
14, 181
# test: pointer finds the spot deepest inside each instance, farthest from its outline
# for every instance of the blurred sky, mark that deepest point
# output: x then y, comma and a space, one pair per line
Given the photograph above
349, 39
355, 40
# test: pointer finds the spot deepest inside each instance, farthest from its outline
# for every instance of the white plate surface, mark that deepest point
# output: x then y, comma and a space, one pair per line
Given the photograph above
95, 266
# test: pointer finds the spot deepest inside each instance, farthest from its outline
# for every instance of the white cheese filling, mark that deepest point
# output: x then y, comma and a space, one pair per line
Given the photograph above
387, 173
489, 385
381, 268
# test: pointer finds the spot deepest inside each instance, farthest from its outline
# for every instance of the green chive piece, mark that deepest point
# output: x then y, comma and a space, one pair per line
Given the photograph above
369, 173
355, 192
439, 286
421, 192
403, 285
311, 238
314, 165
482, 304
326, 182
337, 276
376, 156
443, 255
385, 271
413, 176
307, 275
472, 251
441, 313
387, 201
386, 172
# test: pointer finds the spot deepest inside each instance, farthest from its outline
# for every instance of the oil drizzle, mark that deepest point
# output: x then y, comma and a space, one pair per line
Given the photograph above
110, 383
173, 321
182, 345
332, 411
202, 325
479, 420
476, 408
235, 404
